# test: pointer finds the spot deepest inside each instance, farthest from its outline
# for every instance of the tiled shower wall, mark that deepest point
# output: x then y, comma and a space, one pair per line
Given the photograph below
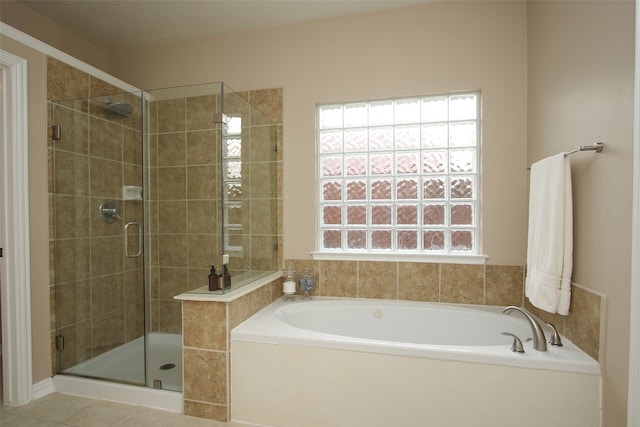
184, 212
101, 291
186, 208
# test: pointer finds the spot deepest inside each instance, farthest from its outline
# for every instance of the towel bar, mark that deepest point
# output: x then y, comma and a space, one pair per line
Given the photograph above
597, 147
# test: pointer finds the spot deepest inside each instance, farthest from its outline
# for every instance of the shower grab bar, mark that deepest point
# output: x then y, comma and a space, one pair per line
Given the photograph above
126, 240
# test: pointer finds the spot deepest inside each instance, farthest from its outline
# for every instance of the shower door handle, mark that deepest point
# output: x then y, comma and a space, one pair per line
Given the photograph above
126, 240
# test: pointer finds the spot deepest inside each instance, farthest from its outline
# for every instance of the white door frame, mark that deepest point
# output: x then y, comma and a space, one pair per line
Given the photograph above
633, 402
14, 232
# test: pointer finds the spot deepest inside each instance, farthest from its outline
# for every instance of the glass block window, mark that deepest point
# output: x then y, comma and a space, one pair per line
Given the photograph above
399, 175
232, 179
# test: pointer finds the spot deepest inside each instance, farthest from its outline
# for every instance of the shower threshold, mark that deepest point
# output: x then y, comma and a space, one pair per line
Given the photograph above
125, 363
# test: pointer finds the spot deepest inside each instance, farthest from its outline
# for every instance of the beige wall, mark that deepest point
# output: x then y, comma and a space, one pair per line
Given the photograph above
38, 209
26, 20
428, 49
580, 82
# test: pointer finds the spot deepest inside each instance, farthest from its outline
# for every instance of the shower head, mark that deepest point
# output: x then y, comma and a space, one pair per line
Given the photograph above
118, 110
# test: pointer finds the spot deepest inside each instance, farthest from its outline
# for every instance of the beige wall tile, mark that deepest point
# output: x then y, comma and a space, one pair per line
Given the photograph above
269, 102
65, 82
70, 261
202, 216
172, 216
107, 255
197, 278
171, 115
202, 249
504, 285
71, 173
132, 146
74, 129
170, 316
101, 88
74, 303
418, 281
107, 293
134, 286
172, 149
105, 139
263, 252
203, 147
205, 410
200, 111
377, 280
338, 278
134, 321
107, 331
463, 284
263, 182
77, 344
205, 376
172, 250
260, 298
261, 143
240, 310
172, 183
201, 182
583, 322
72, 216
205, 325
106, 178
263, 217
171, 282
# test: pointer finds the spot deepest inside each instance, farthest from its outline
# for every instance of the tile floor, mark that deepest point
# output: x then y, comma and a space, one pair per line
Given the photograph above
56, 410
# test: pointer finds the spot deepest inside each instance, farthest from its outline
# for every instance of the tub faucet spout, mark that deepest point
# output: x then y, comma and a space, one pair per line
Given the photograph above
539, 340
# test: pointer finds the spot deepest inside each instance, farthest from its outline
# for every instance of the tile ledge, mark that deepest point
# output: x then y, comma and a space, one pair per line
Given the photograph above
198, 295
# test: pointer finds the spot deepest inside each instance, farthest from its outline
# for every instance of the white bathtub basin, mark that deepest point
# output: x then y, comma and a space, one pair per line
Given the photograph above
373, 363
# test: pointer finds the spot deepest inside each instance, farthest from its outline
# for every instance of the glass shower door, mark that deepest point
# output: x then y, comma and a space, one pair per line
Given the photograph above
96, 186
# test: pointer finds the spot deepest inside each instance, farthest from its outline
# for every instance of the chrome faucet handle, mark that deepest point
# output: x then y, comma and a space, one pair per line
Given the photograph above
555, 338
516, 347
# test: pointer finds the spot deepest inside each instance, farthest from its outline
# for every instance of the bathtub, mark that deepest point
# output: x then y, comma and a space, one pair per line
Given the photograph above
345, 362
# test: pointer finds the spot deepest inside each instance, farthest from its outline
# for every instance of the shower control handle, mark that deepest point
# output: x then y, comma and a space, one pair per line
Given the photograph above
126, 240
109, 211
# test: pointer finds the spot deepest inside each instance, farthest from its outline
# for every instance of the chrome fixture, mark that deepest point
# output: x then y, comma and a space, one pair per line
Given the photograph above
118, 110
597, 147
555, 338
539, 340
516, 347
138, 252
109, 211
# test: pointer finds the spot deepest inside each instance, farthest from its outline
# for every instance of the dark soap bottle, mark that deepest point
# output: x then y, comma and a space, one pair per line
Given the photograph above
226, 277
214, 283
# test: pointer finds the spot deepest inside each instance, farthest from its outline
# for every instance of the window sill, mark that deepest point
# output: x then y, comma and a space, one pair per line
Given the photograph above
440, 259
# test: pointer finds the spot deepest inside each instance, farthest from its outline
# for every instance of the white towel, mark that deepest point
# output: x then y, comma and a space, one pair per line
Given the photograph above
550, 241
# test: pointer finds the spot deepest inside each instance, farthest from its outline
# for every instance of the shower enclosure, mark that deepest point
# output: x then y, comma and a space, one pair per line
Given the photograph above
149, 190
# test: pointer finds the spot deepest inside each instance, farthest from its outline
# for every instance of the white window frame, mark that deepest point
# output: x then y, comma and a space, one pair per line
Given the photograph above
420, 255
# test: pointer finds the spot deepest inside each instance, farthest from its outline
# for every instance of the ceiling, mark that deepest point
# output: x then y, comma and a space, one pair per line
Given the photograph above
113, 24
